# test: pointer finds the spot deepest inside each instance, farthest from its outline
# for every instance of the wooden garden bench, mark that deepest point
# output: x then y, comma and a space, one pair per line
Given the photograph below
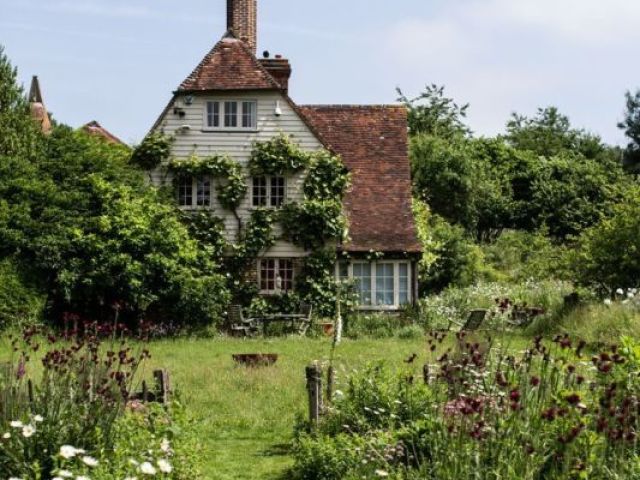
473, 322
246, 327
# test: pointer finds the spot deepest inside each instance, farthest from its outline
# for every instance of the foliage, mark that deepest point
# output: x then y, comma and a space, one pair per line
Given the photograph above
326, 178
82, 218
154, 150
231, 183
317, 286
19, 134
607, 256
312, 223
278, 156
562, 417
21, 301
208, 230
434, 114
549, 133
449, 257
631, 127
76, 401
487, 186
455, 303
373, 325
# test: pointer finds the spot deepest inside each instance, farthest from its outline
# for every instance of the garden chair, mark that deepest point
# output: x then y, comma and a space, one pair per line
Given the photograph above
247, 327
306, 310
474, 320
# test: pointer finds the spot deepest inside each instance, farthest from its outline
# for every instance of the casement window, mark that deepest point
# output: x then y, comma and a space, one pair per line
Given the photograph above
194, 192
269, 191
379, 285
231, 115
275, 275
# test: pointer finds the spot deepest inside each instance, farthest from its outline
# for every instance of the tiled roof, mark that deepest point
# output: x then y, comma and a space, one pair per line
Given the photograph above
230, 65
94, 128
372, 141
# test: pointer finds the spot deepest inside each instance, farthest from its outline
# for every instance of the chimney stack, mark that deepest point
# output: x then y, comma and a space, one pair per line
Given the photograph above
242, 20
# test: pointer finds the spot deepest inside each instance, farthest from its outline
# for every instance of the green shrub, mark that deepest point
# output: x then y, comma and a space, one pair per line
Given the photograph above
372, 325
486, 413
20, 302
608, 256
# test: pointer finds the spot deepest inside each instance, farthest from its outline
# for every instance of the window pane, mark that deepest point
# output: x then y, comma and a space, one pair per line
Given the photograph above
284, 280
259, 193
384, 284
267, 275
343, 270
249, 114
403, 283
213, 114
203, 192
362, 275
231, 114
185, 192
277, 191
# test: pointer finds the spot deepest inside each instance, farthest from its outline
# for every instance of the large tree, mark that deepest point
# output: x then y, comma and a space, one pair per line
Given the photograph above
631, 127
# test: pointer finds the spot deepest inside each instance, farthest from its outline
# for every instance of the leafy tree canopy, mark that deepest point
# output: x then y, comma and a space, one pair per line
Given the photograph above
433, 113
631, 127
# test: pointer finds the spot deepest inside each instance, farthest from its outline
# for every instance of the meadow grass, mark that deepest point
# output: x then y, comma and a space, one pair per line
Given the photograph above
244, 417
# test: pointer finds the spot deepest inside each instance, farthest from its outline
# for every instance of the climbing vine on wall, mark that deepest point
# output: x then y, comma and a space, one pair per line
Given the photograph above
154, 149
278, 156
231, 184
327, 177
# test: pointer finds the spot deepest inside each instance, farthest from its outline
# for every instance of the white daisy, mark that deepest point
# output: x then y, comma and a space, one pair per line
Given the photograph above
38, 418
6, 436
164, 466
147, 469
90, 461
65, 474
28, 431
165, 446
16, 424
67, 451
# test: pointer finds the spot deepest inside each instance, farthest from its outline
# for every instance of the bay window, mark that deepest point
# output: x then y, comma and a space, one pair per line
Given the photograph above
379, 284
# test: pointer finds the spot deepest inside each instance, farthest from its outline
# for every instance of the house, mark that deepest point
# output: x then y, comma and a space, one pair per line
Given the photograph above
95, 129
233, 99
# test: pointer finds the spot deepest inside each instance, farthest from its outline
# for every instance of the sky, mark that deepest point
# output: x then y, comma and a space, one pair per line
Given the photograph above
118, 61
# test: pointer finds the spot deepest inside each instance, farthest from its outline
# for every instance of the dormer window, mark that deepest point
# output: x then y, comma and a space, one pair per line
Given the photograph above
231, 115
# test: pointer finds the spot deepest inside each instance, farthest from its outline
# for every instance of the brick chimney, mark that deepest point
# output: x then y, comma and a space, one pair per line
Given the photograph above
280, 70
242, 20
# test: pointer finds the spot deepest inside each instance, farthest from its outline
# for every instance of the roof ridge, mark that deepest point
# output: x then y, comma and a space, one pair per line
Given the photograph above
372, 106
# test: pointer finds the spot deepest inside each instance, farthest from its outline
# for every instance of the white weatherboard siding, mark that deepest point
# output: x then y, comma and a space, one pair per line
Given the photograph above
238, 145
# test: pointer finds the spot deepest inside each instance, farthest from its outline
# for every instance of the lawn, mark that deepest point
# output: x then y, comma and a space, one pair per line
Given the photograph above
245, 417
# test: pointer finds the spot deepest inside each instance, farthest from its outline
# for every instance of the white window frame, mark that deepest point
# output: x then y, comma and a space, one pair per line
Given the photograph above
396, 282
194, 195
222, 104
268, 179
277, 261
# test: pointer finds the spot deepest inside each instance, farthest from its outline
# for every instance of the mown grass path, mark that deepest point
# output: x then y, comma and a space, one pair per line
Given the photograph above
245, 417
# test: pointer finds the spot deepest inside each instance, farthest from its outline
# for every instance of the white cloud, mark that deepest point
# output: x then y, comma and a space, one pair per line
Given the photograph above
516, 55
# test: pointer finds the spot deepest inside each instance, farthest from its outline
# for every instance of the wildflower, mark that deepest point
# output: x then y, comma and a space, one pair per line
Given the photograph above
16, 424
607, 301
165, 446
382, 473
90, 461
147, 469
164, 466
67, 451
535, 381
515, 396
38, 419
65, 474
28, 431
82, 477
573, 399
620, 291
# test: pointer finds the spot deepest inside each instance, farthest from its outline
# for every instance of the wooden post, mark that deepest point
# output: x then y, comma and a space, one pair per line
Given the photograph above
314, 388
30, 391
330, 382
145, 392
162, 385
